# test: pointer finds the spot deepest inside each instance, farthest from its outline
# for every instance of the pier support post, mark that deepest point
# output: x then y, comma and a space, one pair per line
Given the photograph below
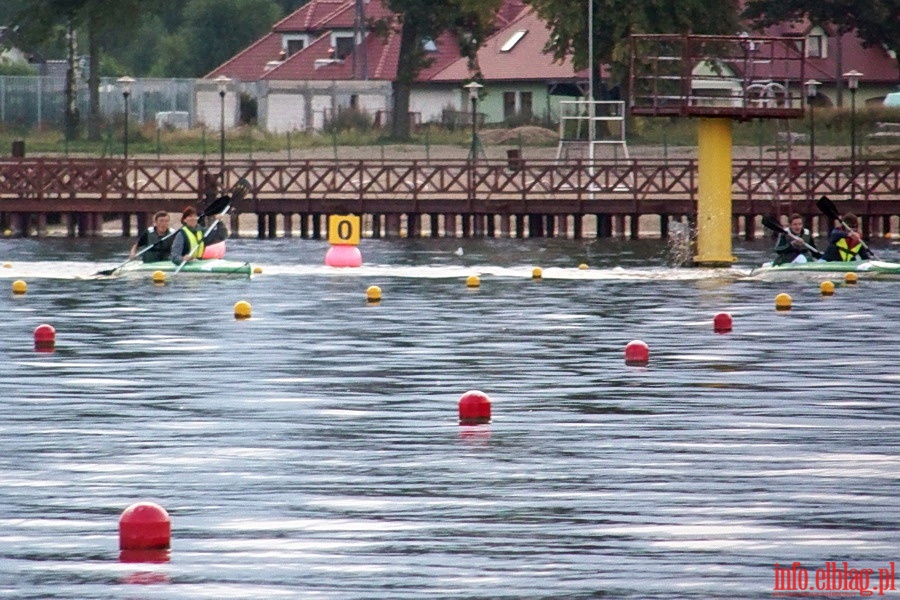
714, 150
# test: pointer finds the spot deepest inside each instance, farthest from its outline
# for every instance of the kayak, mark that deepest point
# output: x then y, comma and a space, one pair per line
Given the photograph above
873, 267
212, 266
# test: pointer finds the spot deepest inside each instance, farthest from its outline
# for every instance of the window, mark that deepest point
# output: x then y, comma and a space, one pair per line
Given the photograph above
817, 43
428, 45
513, 40
509, 104
343, 46
525, 104
293, 43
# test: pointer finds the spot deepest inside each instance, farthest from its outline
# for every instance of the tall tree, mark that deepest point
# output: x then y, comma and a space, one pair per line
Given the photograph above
615, 20
877, 21
423, 20
41, 21
215, 30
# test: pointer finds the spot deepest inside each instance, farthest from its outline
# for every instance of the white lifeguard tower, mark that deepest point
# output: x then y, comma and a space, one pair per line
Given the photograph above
591, 129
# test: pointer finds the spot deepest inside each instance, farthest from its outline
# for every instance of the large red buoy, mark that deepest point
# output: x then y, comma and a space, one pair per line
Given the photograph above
145, 526
44, 338
722, 323
474, 408
637, 354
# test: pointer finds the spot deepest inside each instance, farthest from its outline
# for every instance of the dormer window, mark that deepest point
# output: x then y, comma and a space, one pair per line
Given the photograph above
816, 43
342, 44
292, 43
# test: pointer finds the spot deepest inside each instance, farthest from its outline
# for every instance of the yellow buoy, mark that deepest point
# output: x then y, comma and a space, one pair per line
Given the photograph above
257, 270
473, 281
583, 266
242, 310
159, 277
373, 293
19, 287
827, 288
537, 273
851, 278
782, 302
7, 265
7, 232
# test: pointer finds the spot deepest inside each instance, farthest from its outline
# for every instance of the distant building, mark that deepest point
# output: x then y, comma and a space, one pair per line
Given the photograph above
323, 59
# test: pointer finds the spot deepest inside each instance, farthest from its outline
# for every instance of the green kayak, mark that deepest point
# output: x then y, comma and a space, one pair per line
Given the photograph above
873, 267
212, 266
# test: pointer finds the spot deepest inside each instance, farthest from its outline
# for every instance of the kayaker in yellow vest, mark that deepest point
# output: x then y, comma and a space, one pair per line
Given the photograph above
846, 244
190, 242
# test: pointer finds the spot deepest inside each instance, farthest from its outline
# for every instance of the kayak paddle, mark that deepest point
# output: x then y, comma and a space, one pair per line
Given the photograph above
774, 225
827, 206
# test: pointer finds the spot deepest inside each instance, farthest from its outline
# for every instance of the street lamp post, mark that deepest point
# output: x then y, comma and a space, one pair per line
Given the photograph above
811, 92
474, 88
222, 82
853, 83
125, 83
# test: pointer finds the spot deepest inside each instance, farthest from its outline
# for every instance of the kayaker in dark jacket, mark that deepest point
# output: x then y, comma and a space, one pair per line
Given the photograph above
159, 238
794, 249
846, 244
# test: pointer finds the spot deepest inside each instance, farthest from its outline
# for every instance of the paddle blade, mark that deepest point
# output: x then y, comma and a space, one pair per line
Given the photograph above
218, 206
828, 208
240, 190
772, 224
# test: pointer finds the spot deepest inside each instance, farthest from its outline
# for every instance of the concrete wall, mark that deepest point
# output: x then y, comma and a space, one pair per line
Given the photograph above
209, 105
303, 105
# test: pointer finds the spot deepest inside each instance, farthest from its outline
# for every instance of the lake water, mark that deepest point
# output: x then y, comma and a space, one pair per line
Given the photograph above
314, 450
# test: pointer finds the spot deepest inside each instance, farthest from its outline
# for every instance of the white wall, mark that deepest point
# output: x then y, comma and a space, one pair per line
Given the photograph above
301, 105
430, 103
209, 106
285, 111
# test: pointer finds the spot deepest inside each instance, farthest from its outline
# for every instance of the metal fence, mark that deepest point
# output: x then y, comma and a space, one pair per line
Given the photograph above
32, 101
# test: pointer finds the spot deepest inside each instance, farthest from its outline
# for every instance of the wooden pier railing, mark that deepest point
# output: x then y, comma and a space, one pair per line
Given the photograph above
91, 189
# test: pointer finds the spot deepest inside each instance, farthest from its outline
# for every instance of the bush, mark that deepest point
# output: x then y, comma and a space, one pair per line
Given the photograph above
349, 119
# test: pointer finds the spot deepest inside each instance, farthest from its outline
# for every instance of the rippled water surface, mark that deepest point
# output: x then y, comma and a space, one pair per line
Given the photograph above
314, 450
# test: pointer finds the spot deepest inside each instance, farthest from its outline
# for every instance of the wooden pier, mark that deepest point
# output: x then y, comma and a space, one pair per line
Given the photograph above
534, 198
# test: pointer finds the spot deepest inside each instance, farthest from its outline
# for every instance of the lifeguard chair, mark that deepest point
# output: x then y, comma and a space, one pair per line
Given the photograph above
718, 79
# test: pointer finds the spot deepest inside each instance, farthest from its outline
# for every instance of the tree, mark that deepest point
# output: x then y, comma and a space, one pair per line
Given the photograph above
421, 20
616, 20
877, 21
41, 20
215, 30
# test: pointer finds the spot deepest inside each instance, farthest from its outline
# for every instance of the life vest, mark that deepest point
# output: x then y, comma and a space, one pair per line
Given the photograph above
195, 240
848, 253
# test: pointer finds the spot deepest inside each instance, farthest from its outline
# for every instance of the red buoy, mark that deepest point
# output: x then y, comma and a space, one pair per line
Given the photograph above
474, 408
722, 323
44, 337
637, 354
144, 526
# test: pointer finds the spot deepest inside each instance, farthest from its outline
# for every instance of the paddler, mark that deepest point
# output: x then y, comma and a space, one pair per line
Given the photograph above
845, 244
794, 247
190, 241
158, 238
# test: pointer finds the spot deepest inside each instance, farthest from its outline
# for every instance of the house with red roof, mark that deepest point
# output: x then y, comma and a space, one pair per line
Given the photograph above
325, 57
829, 55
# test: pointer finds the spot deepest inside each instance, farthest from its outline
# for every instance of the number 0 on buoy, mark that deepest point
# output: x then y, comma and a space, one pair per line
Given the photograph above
343, 229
